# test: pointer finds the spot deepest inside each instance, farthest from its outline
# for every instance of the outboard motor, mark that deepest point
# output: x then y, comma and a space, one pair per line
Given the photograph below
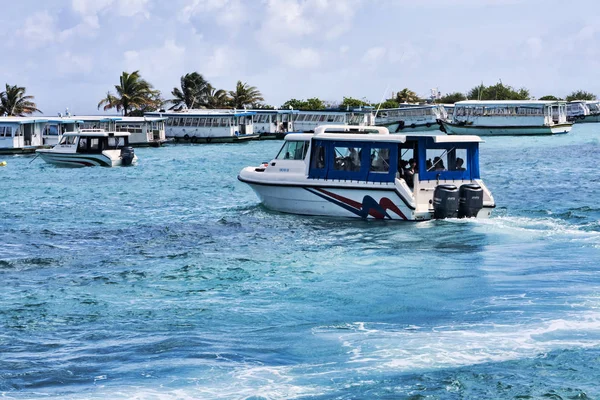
445, 201
471, 200
127, 155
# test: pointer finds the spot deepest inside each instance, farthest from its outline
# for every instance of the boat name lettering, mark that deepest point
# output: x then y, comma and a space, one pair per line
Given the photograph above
284, 170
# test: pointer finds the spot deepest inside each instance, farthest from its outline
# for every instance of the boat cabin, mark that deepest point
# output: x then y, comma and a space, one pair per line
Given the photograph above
383, 158
273, 122
308, 121
198, 125
510, 112
145, 131
20, 133
93, 141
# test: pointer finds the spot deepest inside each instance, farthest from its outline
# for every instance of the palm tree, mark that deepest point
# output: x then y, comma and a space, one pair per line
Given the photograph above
407, 96
245, 95
133, 92
193, 92
13, 102
217, 98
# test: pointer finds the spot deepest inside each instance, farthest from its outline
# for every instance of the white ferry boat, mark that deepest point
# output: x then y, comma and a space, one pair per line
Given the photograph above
90, 147
273, 124
414, 118
308, 121
206, 126
507, 117
381, 176
145, 131
21, 134
589, 111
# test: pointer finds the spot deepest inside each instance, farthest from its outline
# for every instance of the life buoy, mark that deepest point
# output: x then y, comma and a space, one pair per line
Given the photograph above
186, 136
208, 139
413, 126
428, 125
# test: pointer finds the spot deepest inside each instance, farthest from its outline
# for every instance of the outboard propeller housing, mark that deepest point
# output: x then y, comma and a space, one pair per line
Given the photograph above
127, 155
471, 200
445, 201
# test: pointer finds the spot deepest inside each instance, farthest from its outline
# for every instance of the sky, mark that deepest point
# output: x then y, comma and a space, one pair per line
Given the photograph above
70, 53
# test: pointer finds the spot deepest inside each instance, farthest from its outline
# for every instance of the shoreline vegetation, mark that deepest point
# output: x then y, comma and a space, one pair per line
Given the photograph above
134, 96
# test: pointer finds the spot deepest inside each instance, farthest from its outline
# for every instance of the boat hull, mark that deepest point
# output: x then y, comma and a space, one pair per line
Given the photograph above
339, 201
588, 118
395, 127
454, 129
79, 160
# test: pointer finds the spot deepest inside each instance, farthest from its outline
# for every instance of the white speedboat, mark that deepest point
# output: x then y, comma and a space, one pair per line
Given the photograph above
90, 147
382, 176
507, 117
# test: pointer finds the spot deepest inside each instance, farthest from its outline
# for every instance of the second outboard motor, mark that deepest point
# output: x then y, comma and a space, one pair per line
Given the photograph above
127, 155
445, 201
471, 200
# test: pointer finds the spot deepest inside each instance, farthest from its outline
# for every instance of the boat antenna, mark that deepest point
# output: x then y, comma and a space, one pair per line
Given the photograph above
382, 97
386, 89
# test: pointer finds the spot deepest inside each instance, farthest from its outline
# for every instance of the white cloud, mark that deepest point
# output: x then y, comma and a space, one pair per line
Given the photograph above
534, 45
305, 58
38, 30
227, 13
156, 62
122, 8
69, 63
374, 55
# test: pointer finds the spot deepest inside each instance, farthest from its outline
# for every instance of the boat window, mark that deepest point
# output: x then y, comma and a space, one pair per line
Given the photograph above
380, 160
293, 150
318, 158
68, 140
284, 118
224, 121
6, 131
436, 159
194, 121
82, 144
347, 158
94, 144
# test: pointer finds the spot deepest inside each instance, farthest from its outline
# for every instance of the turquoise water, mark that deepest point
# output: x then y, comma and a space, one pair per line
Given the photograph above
168, 280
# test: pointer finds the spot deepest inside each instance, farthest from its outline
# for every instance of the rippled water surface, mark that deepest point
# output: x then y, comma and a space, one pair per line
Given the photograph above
168, 280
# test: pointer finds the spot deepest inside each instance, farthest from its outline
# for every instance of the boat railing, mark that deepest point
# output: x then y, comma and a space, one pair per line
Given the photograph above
91, 130
350, 128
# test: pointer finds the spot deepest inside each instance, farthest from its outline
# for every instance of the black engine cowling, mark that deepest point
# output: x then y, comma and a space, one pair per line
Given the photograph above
127, 155
470, 200
445, 201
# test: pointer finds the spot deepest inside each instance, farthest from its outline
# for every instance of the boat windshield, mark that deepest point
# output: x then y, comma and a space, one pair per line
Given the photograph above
68, 140
293, 150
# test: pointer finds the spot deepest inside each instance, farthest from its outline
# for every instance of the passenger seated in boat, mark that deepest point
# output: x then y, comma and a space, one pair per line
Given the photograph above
381, 162
428, 165
353, 160
438, 164
459, 164
409, 172
82, 143
401, 169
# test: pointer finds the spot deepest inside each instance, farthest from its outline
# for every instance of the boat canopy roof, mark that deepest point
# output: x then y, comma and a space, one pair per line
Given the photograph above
416, 107
96, 133
203, 113
504, 103
21, 120
383, 135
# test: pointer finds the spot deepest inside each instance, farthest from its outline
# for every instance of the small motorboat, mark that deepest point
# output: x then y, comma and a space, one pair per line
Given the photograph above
90, 147
380, 176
